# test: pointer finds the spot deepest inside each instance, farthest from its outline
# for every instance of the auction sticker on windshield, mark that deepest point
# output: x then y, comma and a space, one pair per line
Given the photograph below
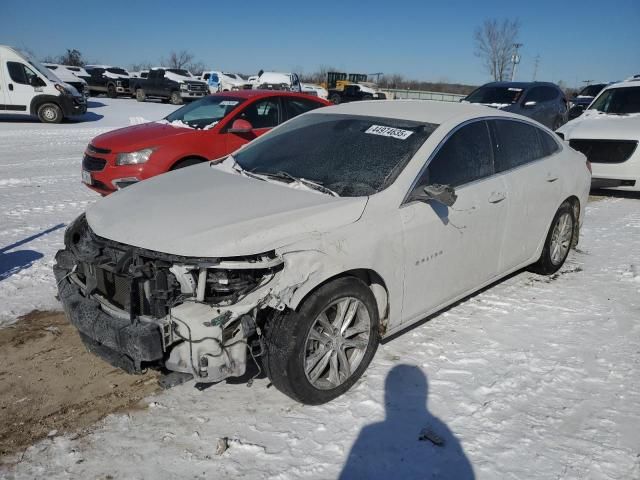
389, 132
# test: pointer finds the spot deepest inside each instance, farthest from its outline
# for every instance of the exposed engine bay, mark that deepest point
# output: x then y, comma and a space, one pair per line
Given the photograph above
138, 308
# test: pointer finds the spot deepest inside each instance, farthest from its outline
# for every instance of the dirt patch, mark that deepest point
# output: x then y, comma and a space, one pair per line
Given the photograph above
50, 382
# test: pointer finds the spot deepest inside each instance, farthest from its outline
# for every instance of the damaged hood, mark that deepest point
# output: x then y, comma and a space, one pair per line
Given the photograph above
204, 212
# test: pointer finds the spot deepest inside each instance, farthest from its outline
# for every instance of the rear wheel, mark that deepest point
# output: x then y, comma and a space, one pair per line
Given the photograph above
317, 353
141, 96
175, 98
335, 99
558, 242
111, 91
50, 113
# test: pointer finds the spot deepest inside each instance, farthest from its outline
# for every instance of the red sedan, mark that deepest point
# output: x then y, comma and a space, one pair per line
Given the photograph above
206, 129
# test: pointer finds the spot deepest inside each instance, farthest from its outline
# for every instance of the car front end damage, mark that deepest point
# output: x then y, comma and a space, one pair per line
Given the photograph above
140, 309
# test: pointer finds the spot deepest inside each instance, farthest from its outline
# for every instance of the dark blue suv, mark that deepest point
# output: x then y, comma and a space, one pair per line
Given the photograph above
541, 101
582, 100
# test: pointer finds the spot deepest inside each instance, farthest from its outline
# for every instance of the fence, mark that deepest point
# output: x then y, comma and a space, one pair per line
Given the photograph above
399, 93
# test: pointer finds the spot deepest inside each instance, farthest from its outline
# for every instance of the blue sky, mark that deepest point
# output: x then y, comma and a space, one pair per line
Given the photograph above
576, 40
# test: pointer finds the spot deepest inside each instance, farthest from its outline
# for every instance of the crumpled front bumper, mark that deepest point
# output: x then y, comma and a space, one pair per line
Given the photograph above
121, 342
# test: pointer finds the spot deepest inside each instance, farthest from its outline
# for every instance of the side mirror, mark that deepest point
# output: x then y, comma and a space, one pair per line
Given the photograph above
444, 194
240, 126
530, 104
37, 82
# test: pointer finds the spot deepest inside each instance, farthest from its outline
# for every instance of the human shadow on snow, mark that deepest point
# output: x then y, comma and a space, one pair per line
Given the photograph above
13, 262
411, 443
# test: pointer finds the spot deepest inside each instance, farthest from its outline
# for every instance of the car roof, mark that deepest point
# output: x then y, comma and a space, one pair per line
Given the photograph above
263, 93
629, 82
428, 111
522, 85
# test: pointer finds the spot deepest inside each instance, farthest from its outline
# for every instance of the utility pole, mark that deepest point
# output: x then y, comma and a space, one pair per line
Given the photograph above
535, 67
515, 60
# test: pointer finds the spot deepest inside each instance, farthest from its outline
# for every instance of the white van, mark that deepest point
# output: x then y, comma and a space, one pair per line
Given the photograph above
29, 88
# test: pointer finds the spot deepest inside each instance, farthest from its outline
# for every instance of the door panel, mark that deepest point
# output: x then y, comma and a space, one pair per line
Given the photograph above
452, 250
449, 251
532, 187
19, 91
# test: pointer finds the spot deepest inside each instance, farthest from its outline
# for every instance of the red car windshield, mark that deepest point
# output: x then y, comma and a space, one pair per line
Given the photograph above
205, 112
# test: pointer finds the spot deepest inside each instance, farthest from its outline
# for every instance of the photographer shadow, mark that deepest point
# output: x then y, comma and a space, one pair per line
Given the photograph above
410, 443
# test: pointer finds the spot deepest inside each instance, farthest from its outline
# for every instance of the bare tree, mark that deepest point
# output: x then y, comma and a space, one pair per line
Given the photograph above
178, 59
138, 67
494, 45
72, 57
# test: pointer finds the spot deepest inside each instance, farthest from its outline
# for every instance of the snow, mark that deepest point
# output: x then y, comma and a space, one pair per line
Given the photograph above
535, 377
41, 192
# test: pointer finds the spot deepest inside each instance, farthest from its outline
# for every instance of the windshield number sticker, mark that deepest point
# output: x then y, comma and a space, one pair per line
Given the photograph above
398, 133
227, 103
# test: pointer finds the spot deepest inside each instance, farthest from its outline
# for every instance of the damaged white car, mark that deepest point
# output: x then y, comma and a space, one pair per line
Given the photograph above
307, 247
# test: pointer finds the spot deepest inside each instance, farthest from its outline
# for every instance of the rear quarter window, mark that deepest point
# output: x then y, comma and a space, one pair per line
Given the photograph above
515, 143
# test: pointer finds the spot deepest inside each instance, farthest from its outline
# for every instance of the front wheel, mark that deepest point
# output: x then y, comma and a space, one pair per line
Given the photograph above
141, 96
335, 99
175, 98
111, 91
317, 353
558, 242
50, 113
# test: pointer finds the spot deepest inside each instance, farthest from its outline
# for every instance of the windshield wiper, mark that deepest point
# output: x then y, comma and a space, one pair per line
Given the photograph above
287, 176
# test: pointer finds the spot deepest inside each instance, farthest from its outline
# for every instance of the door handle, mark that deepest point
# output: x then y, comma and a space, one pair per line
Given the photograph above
11, 87
497, 197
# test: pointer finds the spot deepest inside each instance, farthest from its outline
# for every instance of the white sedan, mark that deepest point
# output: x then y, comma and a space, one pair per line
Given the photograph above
302, 251
608, 133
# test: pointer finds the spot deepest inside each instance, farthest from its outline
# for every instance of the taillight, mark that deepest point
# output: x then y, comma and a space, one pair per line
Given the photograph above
589, 166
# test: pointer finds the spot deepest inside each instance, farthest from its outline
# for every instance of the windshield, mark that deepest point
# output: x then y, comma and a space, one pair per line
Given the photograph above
618, 101
179, 71
499, 95
117, 71
349, 154
44, 71
591, 90
202, 113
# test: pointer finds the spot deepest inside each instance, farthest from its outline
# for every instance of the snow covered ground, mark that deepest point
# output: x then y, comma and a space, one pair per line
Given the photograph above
40, 192
533, 378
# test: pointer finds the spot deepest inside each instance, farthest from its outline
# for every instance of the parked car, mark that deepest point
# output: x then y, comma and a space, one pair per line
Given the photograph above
313, 89
542, 101
225, 82
209, 128
173, 85
70, 77
354, 92
278, 81
583, 99
608, 133
29, 88
112, 81
303, 249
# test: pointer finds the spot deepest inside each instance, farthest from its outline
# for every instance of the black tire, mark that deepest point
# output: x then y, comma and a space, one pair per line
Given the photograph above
141, 96
546, 264
50, 113
187, 162
175, 98
335, 99
111, 91
285, 336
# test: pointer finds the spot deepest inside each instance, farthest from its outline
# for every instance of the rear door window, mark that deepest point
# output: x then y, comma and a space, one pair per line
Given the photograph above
465, 157
549, 145
263, 113
515, 143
